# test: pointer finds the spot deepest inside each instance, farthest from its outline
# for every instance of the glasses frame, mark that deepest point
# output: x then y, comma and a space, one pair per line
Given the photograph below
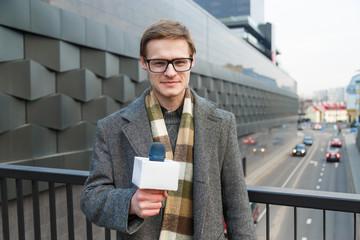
168, 62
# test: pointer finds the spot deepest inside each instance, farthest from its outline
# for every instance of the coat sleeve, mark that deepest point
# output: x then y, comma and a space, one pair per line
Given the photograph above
103, 203
236, 205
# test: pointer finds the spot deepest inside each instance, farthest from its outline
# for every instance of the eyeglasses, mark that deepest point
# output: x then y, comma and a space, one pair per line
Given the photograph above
160, 65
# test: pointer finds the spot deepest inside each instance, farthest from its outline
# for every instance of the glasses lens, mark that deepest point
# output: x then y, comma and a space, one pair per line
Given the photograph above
182, 64
157, 65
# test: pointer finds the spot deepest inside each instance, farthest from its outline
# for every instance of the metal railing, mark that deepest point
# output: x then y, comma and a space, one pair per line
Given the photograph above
343, 202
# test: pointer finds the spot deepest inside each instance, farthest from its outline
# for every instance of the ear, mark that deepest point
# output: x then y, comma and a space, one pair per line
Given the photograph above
143, 63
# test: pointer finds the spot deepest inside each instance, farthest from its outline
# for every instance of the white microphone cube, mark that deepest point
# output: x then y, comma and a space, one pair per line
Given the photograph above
155, 174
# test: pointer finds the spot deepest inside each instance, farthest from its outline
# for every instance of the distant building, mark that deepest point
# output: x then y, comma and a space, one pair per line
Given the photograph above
246, 19
313, 113
325, 112
333, 112
351, 100
331, 95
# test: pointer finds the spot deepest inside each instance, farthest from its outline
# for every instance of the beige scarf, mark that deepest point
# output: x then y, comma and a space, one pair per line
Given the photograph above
178, 216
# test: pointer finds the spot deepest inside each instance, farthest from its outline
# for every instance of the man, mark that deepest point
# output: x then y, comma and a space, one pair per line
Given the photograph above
201, 137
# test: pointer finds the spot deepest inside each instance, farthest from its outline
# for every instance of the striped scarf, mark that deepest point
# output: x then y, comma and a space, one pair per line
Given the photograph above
178, 216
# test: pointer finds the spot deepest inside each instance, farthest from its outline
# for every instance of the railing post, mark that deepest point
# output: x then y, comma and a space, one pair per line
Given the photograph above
295, 223
244, 165
267, 221
4, 209
70, 212
52, 204
20, 209
36, 209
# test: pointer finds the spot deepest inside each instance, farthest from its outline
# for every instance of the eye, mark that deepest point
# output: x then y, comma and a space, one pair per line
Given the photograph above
158, 63
180, 62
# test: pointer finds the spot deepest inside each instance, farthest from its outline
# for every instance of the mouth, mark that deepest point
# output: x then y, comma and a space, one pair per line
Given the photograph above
170, 83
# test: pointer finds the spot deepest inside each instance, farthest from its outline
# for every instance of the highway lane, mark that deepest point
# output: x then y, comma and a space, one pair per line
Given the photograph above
309, 172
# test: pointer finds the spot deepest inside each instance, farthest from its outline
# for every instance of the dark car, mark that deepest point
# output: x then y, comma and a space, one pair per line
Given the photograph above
249, 140
333, 155
336, 142
299, 150
308, 140
259, 148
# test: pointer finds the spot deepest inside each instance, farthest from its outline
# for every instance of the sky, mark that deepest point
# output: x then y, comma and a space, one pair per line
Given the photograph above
319, 41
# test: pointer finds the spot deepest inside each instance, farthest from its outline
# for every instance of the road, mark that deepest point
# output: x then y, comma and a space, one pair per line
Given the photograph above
308, 172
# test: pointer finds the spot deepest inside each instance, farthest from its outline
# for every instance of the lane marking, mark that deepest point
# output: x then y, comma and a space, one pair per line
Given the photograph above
304, 238
318, 187
314, 162
308, 221
324, 165
322, 169
320, 180
321, 174
336, 165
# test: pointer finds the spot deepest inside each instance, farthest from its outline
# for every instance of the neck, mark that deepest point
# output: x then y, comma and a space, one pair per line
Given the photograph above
171, 103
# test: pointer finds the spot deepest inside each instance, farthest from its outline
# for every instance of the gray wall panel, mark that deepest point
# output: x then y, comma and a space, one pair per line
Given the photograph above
77, 137
72, 27
80, 84
26, 79
12, 112
133, 68
56, 111
120, 88
101, 63
15, 13
54, 54
26, 142
45, 19
11, 44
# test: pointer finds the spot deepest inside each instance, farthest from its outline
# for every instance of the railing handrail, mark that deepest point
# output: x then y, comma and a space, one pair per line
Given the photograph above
315, 199
345, 202
56, 175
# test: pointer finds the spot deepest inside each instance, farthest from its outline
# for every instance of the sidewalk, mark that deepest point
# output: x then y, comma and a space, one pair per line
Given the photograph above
354, 157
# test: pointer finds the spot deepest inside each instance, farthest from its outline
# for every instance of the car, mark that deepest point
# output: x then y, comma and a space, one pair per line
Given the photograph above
317, 127
249, 140
308, 140
299, 150
333, 155
336, 142
259, 148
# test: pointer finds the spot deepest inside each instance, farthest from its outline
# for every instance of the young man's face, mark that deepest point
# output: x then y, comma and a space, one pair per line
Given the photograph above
170, 85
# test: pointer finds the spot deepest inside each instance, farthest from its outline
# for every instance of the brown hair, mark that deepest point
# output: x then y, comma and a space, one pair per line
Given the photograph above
167, 29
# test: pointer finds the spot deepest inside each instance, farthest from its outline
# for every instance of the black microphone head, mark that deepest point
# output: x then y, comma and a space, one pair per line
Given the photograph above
157, 152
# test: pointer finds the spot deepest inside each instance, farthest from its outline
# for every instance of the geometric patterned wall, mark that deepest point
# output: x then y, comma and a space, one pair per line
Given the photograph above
55, 85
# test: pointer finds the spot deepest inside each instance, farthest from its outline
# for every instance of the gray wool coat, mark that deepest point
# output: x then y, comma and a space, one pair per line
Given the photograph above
219, 188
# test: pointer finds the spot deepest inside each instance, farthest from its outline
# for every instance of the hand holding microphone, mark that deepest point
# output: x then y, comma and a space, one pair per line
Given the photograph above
153, 176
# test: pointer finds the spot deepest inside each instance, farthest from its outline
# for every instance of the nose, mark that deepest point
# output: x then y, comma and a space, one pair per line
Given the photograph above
170, 71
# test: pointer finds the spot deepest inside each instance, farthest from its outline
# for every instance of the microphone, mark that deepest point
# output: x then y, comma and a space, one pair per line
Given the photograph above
156, 172
157, 152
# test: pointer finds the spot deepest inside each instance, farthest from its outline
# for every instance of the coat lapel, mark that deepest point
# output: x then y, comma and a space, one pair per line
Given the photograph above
207, 128
138, 130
